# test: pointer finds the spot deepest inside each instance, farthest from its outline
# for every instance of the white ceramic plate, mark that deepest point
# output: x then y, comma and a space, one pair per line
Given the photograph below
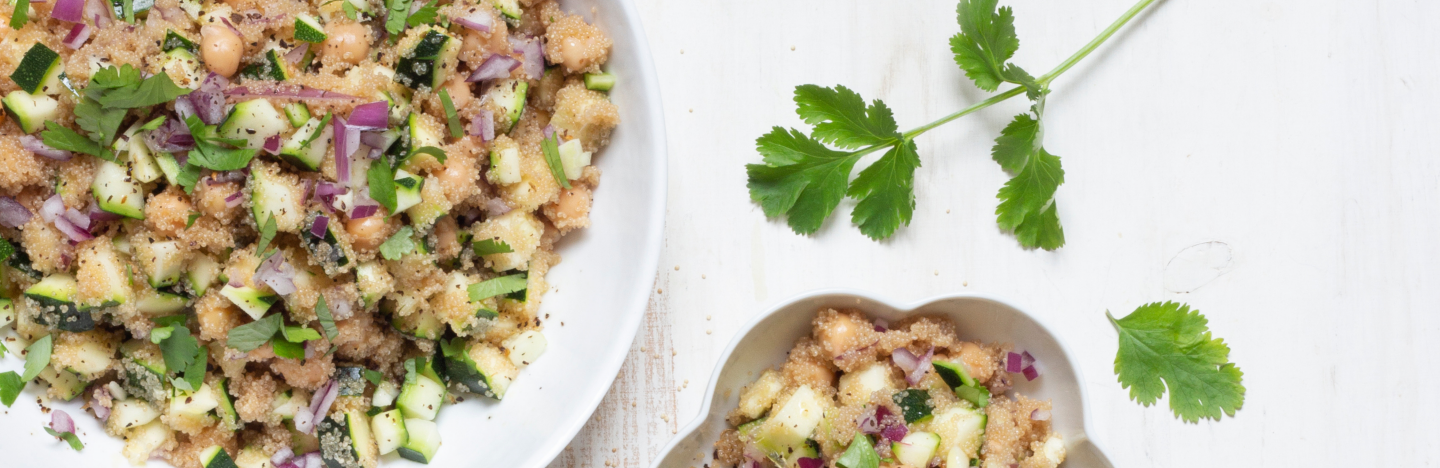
764, 342
600, 293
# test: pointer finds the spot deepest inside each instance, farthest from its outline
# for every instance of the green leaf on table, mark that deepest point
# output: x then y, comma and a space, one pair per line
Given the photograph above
1168, 345
254, 334
327, 321
841, 118
800, 178
886, 190
399, 244
860, 454
69, 437
10, 387
550, 146
37, 356
382, 186
497, 286
1027, 204
985, 42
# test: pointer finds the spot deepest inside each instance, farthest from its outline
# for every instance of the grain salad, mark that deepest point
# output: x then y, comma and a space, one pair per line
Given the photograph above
858, 393
287, 233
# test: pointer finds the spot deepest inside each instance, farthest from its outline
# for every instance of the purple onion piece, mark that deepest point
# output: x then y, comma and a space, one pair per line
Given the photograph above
479, 22
370, 116
342, 150
1026, 359
494, 67
317, 229
1040, 415
61, 422
364, 211
35, 145
1012, 363
78, 35
13, 214
282, 456
80, 220
295, 55
808, 462
881, 325
233, 200
533, 55
52, 208
483, 125
272, 144
69, 10
1031, 373
894, 432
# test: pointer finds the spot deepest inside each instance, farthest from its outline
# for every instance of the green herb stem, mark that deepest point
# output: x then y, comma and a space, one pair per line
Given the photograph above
1043, 80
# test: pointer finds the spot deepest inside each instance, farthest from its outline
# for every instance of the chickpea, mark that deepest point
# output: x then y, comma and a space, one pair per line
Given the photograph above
347, 42
576, 54
366, 233
447, 244
459, 90
807, 371
840, 335
574, 204
221, 49
977, 362
472, 44
457, 173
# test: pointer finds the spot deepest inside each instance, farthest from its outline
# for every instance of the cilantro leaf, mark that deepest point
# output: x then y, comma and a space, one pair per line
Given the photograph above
425, 15
10, 387
267, 235
395, 16
188, 177
21, 14
159, 334
286, 349
195, 372
61, 138
1026, 201
382, 186
398, 244
350, 11
800, 177
1016, 143
886, 191
497, 286
327, 321
37, 356
254, 334
190, 220
841, 118
157, 89
551, 147
179, 348
985, 42
1170, 342
1041, 230
169, 320
113, 77
69, 437
491, 246
860, 454
299, 334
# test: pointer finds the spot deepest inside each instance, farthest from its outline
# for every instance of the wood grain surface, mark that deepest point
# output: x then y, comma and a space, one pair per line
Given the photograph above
1272, 163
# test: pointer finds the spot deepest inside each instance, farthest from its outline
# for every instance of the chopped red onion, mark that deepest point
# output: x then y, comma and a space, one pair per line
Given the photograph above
495, 66
533, 55
35, 145
894, 432
342, 149
342, 310
914, 366
549, 130
483, 125
100, 402
295, 55
99, 11
236, 283
276, 273
370, 116
479, 22
13, 214
209, 105
320, 405
214, 82
317, 228
272, 144
881, 325
304, 420
364, 211
375, 140
868, 422
312, 348
313, 460
98, 216
1012, 363
172, 135
282, 456
1040, 415
496, 207
1026, 359
809, 462
69, 10
52, 208
233, 200
61, 422
79, 33
183, 107
77, 218
1031, 373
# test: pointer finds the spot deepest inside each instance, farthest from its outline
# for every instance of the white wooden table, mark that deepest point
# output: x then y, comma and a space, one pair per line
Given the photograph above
1298, 135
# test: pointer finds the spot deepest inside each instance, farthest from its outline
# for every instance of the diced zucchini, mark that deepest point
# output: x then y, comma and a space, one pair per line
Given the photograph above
373, 281
270, 66
326, 250
857, 387
286, 405
420, 324
31, 112
573, 158
20, 261
254, 121
201, 273
389, 430
790, 426
7, 312
757, 398
599, 81
505, 166
914, 403
385, 394
114, 284
87, 357
250, 300
421, 399
482, 369
39, 71
160, 304
422, 66
116, 192
422, 442
351, 380
916, 449
272, 195
65, 383
226, 407
308, 146
163, 264
510, 96
184, 68
422, 133
297, 112
138, 8
142, 165
346, 442
308, 29
141, 441
215, 457
143, 370
407, 190
195, 406
169, 166
253, 457
953, 374
962, 430
128, 413
525, 347
56, 296
509, 8
175, 41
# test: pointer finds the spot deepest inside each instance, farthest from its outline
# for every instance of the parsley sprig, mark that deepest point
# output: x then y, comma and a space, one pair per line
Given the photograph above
804, 177
1169, 342
106, 101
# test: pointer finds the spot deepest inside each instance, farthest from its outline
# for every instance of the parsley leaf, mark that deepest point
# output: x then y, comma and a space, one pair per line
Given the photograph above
69, 437
195, 372
157, 89
188, 177
497, 286
425, 15
986, 41
350, 11
452, 118
159, 334
491, 246
860, 454
190, 220
169, 320
267, 235
373, 376
10, 387
209, 152
1027, 200
254, 334
286, 349
800, 177
299, 334
841, 118
398, 244
21, 14
551, 147
886, 191
61, 138
179, 348
37, 356
1170, 342
327, 321
382, 186
395, 16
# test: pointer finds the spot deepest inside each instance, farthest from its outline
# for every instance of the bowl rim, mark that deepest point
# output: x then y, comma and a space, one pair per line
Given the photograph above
708, 403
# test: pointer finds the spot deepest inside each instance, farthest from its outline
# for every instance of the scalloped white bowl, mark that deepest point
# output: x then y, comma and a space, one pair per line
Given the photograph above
600, 293
764, 342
